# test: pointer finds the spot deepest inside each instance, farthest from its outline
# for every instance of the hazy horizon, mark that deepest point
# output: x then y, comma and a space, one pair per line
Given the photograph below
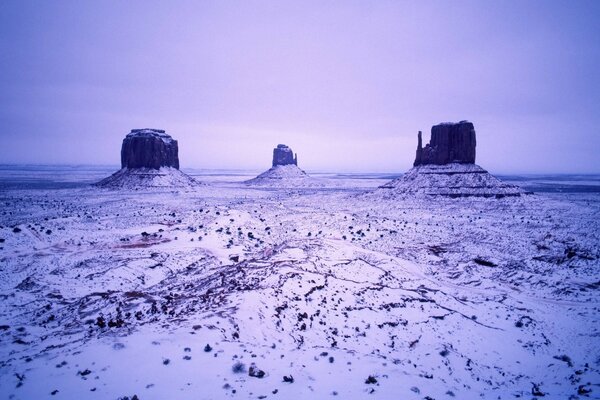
346, 85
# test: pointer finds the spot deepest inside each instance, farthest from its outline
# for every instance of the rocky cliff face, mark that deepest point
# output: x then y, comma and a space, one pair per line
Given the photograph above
450, 143
149, 148
283, 155
446, 167
149, 159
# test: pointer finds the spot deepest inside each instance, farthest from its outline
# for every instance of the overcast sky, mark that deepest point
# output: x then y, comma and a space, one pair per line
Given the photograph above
346, 84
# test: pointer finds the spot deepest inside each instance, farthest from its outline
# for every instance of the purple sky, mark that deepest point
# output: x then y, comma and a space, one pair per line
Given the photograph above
346, 84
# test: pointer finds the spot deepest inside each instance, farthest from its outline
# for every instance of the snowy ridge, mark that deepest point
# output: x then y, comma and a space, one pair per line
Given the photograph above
141, 178
449, 180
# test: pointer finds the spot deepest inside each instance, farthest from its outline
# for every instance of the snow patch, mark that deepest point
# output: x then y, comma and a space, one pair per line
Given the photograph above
449, 180
140, 178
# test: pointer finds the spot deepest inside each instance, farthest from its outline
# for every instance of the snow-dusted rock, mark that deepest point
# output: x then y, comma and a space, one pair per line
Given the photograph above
149, 148
446, 167
149, 158
450, 143
283, 155
285, 172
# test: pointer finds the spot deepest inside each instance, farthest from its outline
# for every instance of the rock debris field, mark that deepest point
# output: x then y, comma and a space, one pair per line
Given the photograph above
229, 290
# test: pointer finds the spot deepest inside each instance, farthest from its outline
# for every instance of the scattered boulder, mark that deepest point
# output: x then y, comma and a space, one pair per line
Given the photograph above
535, 390
256, 372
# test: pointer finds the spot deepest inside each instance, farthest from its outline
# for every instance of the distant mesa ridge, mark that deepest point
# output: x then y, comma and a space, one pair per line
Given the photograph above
450, 143
149, 148
283, 155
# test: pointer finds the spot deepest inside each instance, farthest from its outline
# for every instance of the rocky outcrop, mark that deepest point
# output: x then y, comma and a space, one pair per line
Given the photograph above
285, 172
149, 159
149, 148
450, 143
283, 155
446, 167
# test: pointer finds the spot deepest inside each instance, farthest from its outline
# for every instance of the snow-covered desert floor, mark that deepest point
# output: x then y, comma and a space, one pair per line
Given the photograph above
229, 290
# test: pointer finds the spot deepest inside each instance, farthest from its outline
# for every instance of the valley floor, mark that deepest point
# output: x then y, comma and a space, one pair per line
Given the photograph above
316, 292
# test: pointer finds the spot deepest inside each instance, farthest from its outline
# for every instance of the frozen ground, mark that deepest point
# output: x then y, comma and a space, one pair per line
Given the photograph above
141, 178
182, 293
452, 180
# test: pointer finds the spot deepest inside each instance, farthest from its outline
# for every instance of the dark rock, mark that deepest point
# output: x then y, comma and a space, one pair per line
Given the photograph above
283, 155
450, 142
255, 372
565, 358
149, 158
485, 263
149, 148
535, 390
582, 390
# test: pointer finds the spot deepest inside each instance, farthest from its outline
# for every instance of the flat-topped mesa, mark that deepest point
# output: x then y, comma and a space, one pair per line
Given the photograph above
450, 143
283, 155
149, 148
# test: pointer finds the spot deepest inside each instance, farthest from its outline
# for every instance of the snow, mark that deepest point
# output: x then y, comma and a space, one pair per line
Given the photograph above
285, 176
141, 178
451, 180
435, 296
454, 123
147, 132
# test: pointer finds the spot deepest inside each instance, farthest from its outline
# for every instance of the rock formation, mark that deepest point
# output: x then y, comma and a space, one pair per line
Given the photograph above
446, 167
283, 155
149, 148
285, 172
149, 158
450, 143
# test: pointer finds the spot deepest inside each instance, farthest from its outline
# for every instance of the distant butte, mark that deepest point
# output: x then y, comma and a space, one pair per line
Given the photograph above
450, 143
149, 158
446, 167
284, 172
149, 148
283, 155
